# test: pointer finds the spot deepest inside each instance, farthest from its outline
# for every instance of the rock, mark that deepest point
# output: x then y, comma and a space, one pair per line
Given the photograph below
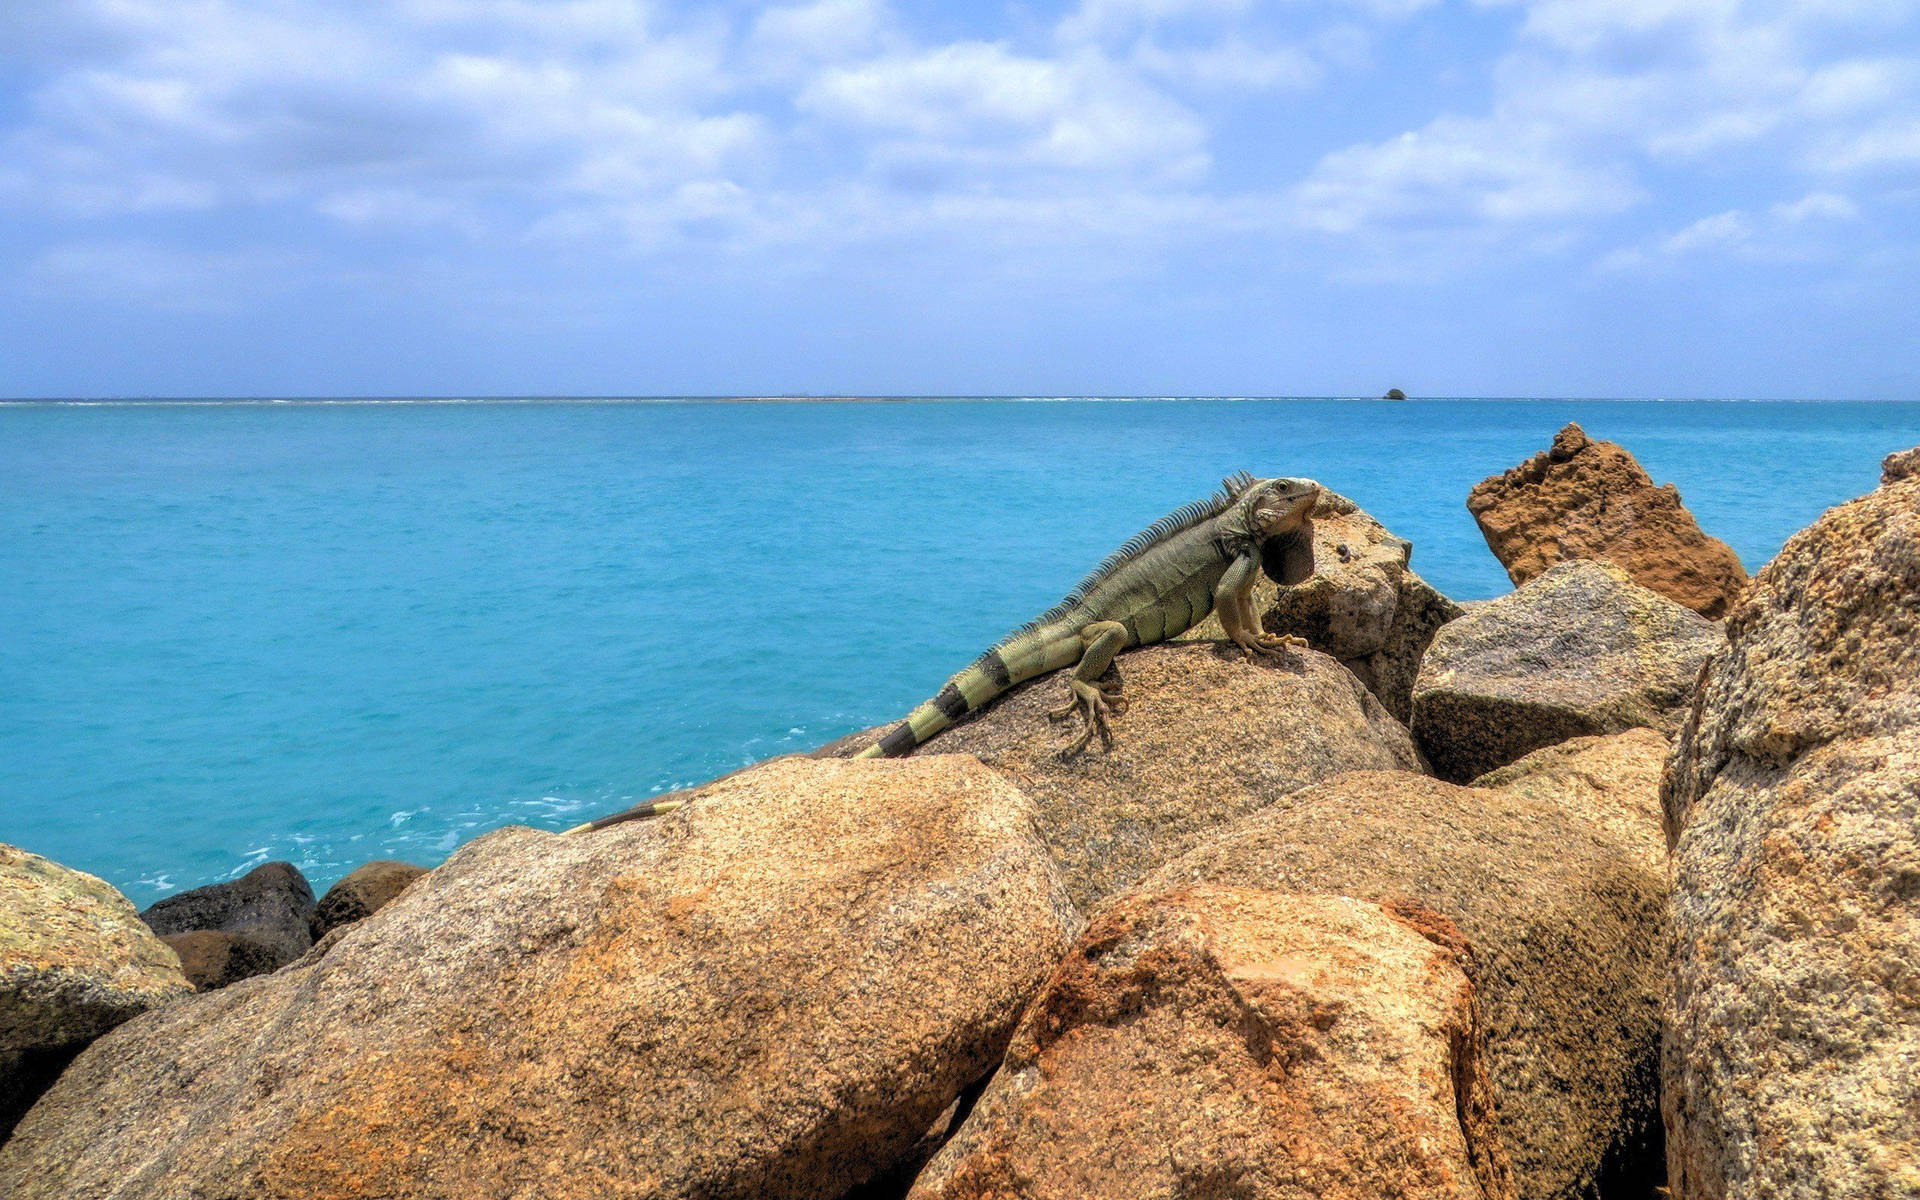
361, 894
1557, 878
1239, 1043
1903, 465
214, 958
1207, 736
770, 993
269, 905
1577, 652
1587, 499
74, 962
1363, 604
1793, 796
1394, 394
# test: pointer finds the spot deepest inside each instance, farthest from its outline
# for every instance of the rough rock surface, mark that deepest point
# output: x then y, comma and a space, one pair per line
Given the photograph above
1240, 1043
770, 993
74, 962
1206, 737
1579, 651
270, 905
1557, 878
361, 894
214, 958
1794, 795
1363, 605
1588, 499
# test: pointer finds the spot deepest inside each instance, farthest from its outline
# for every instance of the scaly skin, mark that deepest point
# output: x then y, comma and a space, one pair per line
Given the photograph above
1159, 585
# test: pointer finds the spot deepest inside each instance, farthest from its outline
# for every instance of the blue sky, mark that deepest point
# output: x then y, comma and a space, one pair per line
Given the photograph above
1503, 197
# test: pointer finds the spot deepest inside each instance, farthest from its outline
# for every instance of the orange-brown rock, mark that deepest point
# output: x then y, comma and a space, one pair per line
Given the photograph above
1793, 1024
1241, 1043
770, 993
1207, 737
361, 893
1588, 499
1554, 868
214, 958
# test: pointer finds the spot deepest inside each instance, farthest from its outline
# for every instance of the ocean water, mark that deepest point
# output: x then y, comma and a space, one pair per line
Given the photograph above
231, 633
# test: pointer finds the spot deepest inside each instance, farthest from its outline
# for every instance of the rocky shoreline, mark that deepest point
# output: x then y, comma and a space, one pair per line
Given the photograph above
1605, 889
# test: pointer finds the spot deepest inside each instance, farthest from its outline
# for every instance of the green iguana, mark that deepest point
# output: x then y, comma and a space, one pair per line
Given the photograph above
1195, 560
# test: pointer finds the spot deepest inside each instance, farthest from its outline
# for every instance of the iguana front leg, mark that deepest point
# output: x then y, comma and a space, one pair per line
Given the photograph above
1233, 600
1094, 703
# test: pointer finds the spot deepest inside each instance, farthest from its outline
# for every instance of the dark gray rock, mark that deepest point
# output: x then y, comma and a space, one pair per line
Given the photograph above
270, 905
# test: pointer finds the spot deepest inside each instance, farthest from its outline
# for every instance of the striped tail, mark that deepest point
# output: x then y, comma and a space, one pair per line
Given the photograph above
1026, 654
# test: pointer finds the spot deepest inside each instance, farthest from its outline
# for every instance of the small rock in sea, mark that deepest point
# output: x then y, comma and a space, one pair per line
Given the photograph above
1363, 604
1588, 499
1554, 869
1394, 394
1207, 737
75, 961
1580, 650
1246, 1043
769, 994
361, 894
269, 906
1793, 798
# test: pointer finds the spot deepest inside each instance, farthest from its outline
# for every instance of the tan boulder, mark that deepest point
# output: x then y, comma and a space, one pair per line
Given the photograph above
361, 893
1556, 878
75, 961
1793, 796
1363, 604
1580, 651
1588, 499
1207, 736
1236, 1042
770, 993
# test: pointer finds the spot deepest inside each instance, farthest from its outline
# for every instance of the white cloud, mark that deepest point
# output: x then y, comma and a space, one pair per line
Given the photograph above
1793, 231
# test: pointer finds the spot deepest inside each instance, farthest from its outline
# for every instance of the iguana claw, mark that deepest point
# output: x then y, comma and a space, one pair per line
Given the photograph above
1096, 705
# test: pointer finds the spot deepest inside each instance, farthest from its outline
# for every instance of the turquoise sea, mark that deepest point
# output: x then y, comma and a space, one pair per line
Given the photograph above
330, 632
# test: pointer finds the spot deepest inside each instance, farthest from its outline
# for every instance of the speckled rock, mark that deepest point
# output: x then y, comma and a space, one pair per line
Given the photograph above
269, 905
770, 993
1588, 499
1239, 1043
75, 961
363, 892
1793, 1046
1363, 605
1207, 736
1557, 878
1580, 651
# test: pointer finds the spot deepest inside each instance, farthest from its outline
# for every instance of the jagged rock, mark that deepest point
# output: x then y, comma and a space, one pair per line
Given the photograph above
361, 894
1579, 651
1364, 605
1235, 1042
214, 958
1557, 878
1901, 465
1207, 736
1794, 798
75, 961
269, 906
1588, 499
770, 993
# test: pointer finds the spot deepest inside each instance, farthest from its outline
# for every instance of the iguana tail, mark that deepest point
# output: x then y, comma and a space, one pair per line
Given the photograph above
1023, 656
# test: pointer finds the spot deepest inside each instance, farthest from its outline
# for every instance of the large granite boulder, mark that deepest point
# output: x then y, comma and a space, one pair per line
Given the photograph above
1793, 796
1206, 737
1240, 1043
1588, 499
75, 961
770, 993
264, 914
1556, 875
1363, 604
362, 892
1580, 651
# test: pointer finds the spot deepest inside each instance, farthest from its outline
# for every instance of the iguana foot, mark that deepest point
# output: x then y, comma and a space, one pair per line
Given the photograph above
1274, 641
1268, 645
1095, 708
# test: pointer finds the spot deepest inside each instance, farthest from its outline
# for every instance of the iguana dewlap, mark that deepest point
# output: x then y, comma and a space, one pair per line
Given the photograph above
1194, 561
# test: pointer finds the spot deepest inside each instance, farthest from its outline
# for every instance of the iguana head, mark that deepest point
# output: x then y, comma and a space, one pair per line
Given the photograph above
1272, 507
